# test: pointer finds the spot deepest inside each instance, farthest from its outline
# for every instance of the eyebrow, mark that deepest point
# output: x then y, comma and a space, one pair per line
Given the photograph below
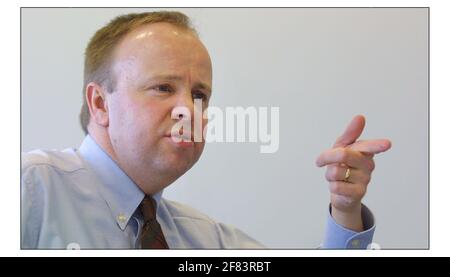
199, 85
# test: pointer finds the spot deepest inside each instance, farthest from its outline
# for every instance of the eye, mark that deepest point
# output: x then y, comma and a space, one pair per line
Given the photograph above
199, 95
163, 88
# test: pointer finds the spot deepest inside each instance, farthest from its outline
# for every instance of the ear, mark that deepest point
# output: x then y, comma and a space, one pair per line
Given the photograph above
97, 103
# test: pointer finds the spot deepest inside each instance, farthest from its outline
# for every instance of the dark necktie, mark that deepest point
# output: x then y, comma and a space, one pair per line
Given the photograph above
152, 236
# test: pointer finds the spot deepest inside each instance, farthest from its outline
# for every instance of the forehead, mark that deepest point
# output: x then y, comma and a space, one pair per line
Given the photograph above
162, 46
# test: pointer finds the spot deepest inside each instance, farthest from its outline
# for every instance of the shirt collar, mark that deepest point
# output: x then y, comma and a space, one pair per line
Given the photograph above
122, 195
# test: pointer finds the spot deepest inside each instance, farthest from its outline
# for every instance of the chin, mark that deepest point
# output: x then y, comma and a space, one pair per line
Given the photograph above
178, 164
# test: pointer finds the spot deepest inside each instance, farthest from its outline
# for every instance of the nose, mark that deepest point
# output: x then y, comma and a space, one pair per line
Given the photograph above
184, 107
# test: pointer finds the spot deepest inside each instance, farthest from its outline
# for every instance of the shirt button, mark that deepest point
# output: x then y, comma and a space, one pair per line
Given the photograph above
356, 243
121, 218
73, 246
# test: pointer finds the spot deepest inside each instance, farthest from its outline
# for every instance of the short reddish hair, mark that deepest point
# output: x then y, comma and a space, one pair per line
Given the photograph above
97, 63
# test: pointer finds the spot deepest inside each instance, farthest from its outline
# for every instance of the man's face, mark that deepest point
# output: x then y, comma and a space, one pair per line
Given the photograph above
157, 67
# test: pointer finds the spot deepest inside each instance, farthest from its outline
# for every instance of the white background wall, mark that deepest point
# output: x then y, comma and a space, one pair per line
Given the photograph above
320, 66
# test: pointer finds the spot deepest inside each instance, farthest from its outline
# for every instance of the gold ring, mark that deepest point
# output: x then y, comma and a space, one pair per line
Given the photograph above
347, 175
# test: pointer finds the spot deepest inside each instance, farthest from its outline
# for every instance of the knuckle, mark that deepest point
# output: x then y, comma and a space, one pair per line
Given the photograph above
356, 192
340, 154
328, 174
332, 173
336, 188
344, 154
361, 191
335, 172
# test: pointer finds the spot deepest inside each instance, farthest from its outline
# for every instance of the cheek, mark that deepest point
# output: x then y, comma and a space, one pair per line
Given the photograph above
122, 114
149, 119
154, 113
139, 118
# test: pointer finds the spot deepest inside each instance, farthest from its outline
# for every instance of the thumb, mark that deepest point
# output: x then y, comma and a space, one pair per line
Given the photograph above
352, 132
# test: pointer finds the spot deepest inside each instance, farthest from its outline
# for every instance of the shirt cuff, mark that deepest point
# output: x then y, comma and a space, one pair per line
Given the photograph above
336, 236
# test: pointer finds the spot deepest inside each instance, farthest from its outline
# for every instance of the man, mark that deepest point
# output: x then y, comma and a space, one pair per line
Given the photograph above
139, 69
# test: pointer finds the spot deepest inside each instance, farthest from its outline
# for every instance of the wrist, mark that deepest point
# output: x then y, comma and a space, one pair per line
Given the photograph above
349, 218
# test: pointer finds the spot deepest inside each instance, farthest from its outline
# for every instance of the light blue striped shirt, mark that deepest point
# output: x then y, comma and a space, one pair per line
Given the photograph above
80, 198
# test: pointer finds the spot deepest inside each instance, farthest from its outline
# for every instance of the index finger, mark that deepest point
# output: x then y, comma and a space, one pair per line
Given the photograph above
373, 146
